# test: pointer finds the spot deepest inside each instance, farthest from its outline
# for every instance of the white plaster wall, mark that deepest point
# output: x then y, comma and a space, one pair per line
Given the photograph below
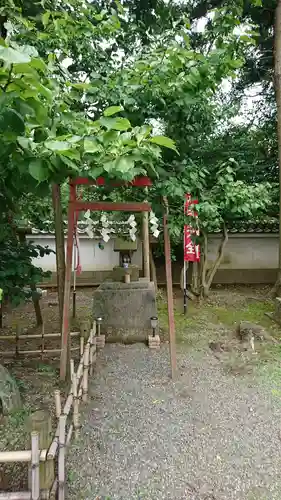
247, 251
92, 258
243, 251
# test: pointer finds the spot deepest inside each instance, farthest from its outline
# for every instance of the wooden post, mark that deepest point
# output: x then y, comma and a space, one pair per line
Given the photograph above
61, 461
35, 474
74, 281
59, 242
153, 273
41, 422
65, 337
171, 318
145, 246
36, 303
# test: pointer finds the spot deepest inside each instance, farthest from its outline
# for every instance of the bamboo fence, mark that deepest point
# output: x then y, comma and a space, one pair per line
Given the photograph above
65, 428
42, 351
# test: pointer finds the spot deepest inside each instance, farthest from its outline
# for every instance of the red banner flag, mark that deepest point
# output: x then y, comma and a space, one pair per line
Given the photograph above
191, 251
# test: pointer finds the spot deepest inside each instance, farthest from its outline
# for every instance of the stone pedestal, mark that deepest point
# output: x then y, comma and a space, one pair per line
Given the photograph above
126, 309
154, 342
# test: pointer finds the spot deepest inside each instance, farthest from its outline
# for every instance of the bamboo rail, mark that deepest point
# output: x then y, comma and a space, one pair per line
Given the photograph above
37, 351
78, 392
32, 336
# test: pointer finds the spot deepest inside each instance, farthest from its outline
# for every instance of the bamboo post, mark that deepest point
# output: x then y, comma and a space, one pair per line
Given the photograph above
53, 492
81, 345
71, 369
92, 354
35, 473
75, 406
58, 403
41, 422
86, 373
61, 461
145, 248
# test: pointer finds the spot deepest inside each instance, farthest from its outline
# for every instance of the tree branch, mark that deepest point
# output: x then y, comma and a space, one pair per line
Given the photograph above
205, 263
218, 260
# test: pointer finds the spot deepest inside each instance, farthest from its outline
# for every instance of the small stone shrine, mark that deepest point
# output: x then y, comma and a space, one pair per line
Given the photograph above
126, 303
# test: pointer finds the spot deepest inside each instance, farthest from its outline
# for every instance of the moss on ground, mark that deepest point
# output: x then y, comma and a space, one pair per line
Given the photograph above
216, 319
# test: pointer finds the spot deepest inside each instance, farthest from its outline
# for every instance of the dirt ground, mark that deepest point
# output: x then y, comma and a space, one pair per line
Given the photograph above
214, 320
37, 377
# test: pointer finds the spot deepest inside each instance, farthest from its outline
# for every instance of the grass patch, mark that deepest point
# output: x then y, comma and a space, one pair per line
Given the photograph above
210, 320
18, 418
46, 368
253, 312
186, 326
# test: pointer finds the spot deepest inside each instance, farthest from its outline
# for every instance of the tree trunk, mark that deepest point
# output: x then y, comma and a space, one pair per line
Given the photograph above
60, 252
36, 303
209, 274
277, 82
34, 295
195, 279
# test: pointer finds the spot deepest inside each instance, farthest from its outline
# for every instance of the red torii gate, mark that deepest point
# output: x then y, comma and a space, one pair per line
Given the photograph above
75, 206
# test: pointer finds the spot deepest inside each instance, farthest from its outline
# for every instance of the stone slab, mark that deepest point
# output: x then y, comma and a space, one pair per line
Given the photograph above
126, 309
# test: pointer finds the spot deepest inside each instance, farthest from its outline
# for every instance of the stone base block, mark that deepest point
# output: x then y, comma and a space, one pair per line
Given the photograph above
126, 309
154, 342
100, 341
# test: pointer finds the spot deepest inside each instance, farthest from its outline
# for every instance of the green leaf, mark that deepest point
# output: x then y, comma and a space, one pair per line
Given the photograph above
96, 172
25, 69
45, 91
110, 136
143, 132
38, 170
69, 163
24, 142
91, 145
124, 163
11, 120
115, 123
12, 56
57, 145
162, 140
38, 64
112, 110
45, 18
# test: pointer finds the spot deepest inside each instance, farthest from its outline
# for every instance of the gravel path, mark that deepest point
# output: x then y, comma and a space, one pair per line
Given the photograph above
206, 436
